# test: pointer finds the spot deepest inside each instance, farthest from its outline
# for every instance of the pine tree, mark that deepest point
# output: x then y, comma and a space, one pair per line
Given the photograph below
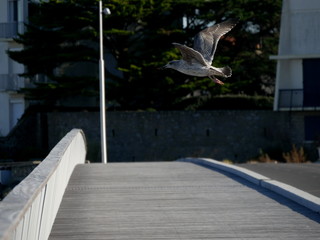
61, 43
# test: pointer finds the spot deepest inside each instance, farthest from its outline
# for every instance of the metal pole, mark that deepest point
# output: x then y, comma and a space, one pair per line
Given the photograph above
102, 92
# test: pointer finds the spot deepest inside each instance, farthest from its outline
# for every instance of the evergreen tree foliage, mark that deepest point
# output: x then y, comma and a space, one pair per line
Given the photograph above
59, 35
63, 35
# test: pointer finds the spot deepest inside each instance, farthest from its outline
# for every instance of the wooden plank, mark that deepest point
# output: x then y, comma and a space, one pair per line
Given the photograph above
175, 200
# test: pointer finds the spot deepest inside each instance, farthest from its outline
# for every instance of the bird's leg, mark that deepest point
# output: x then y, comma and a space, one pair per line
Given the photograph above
216, 80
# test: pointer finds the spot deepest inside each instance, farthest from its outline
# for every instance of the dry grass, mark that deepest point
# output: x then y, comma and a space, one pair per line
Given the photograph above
227, 161
263, 158
295, 155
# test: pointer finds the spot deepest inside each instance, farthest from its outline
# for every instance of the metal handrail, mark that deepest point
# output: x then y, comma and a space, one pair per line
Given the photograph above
11, 82
294, 99
11, 29
29, 210
290, 98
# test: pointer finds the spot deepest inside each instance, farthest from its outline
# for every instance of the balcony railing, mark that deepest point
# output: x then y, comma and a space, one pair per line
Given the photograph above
293, 99
11, 82
11, 29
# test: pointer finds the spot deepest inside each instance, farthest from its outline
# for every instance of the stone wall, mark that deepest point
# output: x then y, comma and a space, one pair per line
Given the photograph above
28, 139
152, 136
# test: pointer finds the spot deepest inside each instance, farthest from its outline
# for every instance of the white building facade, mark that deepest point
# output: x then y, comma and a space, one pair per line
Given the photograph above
13, 14
298, 64
298, 67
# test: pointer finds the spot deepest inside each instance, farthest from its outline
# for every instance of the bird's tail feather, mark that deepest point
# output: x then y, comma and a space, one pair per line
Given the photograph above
224, 71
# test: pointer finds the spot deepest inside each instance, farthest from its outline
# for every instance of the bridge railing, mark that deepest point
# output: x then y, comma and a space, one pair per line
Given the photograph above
29, 210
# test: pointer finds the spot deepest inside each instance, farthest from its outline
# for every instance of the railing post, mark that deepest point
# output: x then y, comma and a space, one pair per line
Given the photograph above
102, 91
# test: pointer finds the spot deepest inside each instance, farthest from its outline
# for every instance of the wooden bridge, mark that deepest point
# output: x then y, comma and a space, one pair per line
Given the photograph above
186, 199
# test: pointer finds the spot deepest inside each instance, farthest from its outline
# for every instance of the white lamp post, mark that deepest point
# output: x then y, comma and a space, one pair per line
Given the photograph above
102, 88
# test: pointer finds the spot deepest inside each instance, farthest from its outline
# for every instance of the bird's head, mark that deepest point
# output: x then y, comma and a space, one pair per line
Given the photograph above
172, 64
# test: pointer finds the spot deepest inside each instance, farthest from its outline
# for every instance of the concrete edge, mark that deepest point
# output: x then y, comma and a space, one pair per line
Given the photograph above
301, 197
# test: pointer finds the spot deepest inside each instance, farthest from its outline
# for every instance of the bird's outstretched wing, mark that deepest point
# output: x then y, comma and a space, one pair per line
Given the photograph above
205, 42
190, 55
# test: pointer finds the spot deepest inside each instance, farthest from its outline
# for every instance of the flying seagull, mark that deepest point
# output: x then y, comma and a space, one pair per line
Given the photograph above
197, 61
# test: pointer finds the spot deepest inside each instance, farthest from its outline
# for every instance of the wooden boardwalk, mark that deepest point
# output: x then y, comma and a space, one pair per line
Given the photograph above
175, 200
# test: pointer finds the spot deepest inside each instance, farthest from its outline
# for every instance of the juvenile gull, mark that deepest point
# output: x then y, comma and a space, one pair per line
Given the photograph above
197, 61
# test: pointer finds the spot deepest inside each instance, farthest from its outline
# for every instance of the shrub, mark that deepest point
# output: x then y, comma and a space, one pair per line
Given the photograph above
237, 102
295, 155
263, 157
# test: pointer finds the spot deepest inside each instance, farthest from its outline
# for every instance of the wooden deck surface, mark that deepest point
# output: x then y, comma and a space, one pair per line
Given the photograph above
175, 200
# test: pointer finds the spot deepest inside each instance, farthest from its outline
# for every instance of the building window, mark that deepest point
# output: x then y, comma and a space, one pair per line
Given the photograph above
311, 82
13, 11
312, 128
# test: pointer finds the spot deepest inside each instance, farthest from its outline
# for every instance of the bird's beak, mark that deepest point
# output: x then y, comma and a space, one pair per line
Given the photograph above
163, 67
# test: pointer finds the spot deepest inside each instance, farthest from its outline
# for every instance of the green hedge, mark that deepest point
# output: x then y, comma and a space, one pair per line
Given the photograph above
236, 102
